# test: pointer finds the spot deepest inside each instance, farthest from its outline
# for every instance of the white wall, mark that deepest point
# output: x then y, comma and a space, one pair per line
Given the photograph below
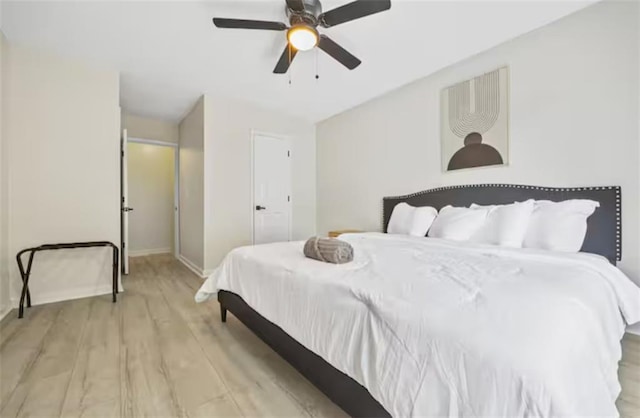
192, 187
228, 215
5, 292
148, 128
62, 130
574, 121
151, 188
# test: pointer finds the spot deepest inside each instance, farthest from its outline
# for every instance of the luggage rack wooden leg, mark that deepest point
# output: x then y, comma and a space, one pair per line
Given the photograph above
25, 282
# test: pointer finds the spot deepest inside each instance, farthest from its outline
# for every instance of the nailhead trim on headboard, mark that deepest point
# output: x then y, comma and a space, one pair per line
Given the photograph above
618, 225
548, 189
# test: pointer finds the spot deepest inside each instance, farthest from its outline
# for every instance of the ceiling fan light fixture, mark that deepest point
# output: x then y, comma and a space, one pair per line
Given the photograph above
305, 16
303, 37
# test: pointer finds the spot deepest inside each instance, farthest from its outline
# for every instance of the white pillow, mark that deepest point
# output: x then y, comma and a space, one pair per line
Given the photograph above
423, 218
457, 224
401, 219
506, 225
409, 220
559, 226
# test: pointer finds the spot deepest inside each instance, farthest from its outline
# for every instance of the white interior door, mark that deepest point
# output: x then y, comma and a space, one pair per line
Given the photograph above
271, 189
125, 209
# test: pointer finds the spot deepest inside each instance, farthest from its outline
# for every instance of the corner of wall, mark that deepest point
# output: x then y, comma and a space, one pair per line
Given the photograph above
191, 132
6, 303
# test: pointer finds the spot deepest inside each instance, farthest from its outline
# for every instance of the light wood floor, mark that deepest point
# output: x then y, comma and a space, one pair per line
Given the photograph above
156, 353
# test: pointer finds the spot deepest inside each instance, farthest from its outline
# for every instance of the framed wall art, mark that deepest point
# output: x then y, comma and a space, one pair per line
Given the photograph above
475, 122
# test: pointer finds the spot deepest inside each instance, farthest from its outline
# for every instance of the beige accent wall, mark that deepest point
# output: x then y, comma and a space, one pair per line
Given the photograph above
5, 292
151, 187
148, 128
574, 122
228, 167
62, 126
192, 244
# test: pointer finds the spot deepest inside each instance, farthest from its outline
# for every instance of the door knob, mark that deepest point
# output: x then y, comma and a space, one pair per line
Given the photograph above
127, 209
258, 207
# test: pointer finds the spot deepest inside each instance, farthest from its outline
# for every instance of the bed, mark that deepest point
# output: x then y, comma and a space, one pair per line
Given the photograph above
421, 327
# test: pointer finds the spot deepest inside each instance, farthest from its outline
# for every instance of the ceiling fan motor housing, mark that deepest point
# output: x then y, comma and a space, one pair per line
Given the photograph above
309, 15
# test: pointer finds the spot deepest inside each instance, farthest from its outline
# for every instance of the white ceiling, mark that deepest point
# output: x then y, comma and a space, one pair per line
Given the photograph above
169, 53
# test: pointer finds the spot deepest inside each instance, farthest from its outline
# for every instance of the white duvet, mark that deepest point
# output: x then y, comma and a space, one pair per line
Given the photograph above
435, 328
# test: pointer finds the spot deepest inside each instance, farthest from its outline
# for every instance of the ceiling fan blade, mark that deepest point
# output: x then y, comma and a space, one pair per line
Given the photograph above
295, 5
285, 60
247, 24
353, 11
340, 54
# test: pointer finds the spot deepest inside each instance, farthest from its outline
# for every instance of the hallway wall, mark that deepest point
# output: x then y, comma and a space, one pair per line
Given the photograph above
151, 189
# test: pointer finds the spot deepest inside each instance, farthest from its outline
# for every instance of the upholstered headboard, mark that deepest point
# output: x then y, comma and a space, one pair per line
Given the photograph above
604, 230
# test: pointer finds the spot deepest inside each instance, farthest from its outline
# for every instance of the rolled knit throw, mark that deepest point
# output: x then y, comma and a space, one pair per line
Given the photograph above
329, 250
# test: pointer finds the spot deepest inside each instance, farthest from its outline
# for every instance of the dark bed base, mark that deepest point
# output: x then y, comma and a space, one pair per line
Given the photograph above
345, 392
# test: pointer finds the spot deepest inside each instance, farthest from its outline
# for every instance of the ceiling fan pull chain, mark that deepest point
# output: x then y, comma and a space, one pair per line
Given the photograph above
317, 75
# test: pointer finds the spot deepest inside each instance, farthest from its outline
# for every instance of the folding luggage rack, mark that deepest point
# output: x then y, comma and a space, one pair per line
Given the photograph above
25, 274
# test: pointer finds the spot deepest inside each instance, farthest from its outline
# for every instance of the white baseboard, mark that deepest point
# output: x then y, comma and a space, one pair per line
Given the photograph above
193, 267
634, 329
69, 294
142, 253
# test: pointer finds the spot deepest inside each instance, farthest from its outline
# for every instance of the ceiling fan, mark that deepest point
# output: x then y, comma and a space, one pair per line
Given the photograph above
304, 17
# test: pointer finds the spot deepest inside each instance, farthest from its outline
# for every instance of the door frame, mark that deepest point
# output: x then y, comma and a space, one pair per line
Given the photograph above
280, 137
176, 185
123, 254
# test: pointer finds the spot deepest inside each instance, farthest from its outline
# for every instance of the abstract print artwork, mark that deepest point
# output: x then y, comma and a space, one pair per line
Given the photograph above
475, 122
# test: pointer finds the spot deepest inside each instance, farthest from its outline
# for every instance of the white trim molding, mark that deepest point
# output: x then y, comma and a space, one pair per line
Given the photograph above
152, 142
634, 329
61, 296
203, 274
142, 253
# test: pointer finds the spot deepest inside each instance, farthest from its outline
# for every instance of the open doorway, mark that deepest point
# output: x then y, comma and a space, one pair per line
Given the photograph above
150, 198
